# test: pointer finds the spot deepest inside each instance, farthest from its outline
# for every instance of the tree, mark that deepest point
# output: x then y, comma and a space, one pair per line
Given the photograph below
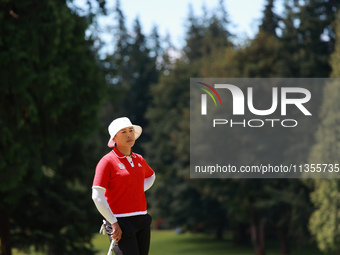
175, 196
132, 68
324, 222
288, 62
50, 95
169, 97
194, 37
270, 21
143, 72
267, 207
260, 58
207, 36
309, 34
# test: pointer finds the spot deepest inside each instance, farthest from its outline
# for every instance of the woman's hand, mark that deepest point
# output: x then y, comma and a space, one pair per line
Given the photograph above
116, 232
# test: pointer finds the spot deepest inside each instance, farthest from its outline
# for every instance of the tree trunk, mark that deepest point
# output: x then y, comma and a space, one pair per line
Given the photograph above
241, 234
258, 236
284, 243
5, 234
219, 229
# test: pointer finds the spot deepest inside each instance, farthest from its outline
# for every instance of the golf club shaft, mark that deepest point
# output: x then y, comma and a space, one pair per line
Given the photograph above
113, 242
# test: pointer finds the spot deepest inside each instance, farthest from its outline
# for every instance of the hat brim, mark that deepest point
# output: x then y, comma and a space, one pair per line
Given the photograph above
138, 132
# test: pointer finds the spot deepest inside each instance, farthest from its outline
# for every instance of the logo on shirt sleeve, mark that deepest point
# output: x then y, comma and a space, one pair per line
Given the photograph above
121, 166
139, 165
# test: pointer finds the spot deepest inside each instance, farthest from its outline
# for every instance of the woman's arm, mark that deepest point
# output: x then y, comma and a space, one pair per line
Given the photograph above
98, 197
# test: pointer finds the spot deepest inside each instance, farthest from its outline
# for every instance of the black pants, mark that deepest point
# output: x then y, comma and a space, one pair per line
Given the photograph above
136, 235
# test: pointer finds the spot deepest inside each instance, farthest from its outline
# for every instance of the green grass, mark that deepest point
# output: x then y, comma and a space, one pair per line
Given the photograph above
167, 242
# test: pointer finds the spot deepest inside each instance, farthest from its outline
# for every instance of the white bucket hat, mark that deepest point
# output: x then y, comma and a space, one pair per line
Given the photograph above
119, 124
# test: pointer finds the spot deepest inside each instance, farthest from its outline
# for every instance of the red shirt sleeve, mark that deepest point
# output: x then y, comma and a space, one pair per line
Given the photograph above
148, 170
103, 172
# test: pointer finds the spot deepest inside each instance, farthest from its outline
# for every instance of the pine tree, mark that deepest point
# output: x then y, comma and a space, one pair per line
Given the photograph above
143, 73
132, 69
270, 20
216, 34
194, 37
50, 94
324, 222
288, 62
309, 35
155, 44
174, 197
207, 36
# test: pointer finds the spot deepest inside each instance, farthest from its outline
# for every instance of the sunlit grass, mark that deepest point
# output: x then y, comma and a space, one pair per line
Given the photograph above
167, 242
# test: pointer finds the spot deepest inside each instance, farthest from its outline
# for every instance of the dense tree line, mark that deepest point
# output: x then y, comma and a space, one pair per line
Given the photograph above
52, 89
298, 43
58, 95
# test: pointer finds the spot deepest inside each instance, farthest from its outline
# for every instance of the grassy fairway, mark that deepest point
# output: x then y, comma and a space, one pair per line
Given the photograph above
169, 243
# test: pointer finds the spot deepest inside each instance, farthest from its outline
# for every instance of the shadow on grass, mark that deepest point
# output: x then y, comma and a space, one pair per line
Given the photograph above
168, 242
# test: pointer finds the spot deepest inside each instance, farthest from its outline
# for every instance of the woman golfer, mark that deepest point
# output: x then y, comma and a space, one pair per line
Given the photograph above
120, 180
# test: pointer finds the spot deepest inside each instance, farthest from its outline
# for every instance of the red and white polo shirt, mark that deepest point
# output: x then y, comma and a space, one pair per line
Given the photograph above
123, 178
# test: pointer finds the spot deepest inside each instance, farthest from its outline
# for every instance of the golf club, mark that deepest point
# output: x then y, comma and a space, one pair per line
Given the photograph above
113, 242
103, 232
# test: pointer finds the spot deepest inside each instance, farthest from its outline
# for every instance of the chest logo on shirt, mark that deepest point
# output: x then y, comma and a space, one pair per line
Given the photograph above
139, 165
121, 166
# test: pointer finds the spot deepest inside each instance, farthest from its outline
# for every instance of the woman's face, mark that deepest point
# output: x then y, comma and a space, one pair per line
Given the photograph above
125, 138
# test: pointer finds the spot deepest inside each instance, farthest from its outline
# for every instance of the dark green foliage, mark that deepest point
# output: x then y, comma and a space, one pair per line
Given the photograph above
324, 223
282, 206
270, 21
308, 37
131, 70
177, 199
51, 91
207, 36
